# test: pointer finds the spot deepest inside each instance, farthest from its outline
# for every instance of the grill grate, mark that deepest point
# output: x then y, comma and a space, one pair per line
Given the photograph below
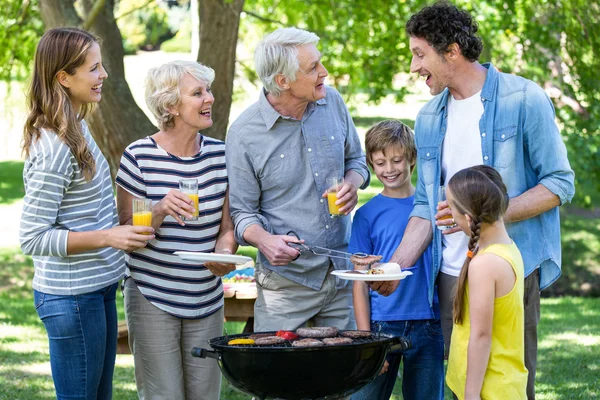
222, 342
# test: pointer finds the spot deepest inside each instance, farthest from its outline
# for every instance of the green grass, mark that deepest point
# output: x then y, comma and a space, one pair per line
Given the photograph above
11, 181
568, 367
569, 345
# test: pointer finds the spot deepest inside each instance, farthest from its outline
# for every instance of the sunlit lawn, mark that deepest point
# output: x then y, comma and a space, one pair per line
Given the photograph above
569, 345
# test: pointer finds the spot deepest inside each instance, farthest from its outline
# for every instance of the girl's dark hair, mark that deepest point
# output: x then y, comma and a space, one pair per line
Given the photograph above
479, 193
443, 24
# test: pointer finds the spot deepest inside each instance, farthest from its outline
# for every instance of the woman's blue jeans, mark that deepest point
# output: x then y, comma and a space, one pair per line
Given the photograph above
423, 372
82, 331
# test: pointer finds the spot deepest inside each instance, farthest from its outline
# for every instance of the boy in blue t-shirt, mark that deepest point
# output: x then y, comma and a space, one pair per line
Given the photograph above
377, 228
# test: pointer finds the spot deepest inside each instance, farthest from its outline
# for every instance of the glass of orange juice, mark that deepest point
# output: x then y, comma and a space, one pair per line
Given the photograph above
334, 184
190, 187
142, 212
442, 197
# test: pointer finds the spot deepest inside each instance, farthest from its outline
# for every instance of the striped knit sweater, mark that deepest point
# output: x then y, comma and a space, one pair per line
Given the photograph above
59, 200
181, 288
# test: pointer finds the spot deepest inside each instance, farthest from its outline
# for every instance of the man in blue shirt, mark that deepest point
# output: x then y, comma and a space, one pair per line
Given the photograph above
482, 116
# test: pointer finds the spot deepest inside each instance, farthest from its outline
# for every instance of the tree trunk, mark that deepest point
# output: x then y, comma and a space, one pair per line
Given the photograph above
219, 23
118, 120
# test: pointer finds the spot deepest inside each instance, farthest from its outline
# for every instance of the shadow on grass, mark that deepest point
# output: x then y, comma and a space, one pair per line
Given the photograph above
569, 349
11, 181
14, 359
17, 384
580, 238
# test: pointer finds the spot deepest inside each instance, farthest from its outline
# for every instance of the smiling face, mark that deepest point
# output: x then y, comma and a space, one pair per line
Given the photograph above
394, 171
85, 85
309, 84
195, 104
428, 63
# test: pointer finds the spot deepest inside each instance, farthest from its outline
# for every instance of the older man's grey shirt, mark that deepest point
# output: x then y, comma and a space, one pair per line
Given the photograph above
277, 169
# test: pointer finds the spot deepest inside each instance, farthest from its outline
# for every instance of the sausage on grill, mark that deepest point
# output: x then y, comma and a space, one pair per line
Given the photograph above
318, 332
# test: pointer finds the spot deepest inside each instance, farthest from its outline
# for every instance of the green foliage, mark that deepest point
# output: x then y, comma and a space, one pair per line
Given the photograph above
20, 30
364, 45
363, 42
143, 24
555, 44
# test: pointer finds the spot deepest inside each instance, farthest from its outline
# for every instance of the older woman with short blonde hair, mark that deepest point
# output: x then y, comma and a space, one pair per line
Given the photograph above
172, 304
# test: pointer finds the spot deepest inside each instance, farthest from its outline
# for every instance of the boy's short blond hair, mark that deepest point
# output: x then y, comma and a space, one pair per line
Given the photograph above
390, 133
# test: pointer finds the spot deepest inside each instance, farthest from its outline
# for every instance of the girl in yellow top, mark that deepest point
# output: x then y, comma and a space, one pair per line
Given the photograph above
487, 348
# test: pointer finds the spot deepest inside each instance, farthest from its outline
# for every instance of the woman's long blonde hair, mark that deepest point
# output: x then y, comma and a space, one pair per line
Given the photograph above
49, 104
479, 193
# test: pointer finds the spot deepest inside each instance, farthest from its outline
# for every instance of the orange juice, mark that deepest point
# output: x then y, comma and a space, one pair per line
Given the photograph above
444, 227
142, 218
194, 198
333, 208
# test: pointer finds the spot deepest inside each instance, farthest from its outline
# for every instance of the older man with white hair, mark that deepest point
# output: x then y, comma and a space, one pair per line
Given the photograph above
280, 153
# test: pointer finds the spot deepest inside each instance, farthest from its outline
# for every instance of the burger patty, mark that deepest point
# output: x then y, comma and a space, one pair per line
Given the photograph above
318, 332
255, 336
356, 334
337, 340
269, 340
308, 342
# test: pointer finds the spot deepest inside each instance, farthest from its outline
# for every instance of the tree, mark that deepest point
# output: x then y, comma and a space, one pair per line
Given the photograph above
219, 25
364, 46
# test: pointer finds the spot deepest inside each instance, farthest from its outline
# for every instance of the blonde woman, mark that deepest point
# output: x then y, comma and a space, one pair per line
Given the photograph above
69, 221
173, 305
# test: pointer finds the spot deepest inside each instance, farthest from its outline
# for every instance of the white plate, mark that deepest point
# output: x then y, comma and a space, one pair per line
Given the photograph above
352, 276
213, 257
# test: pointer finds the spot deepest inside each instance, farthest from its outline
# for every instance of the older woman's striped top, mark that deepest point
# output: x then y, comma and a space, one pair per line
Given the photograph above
57, 200
182, 288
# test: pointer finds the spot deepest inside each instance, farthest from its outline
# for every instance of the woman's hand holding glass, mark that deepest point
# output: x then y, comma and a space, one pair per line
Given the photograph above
129, 238
175, 204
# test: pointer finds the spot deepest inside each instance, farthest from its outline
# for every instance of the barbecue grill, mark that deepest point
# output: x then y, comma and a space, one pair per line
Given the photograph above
296, 373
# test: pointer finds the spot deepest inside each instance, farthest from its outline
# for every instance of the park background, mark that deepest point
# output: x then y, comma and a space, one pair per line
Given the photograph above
365, 49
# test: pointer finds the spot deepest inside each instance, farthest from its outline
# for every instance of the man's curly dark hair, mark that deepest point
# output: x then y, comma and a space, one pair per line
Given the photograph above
443, 24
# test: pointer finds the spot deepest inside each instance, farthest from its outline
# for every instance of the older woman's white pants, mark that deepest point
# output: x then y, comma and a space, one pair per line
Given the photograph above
161, 345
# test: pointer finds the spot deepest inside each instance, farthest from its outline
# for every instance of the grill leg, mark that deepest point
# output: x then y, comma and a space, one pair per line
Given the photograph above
249, 327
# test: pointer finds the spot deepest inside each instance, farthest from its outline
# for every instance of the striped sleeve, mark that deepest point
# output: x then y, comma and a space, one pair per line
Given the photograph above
47, 177
130, 176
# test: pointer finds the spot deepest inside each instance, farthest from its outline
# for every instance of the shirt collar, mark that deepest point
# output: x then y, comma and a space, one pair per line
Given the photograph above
491, 83
270, 115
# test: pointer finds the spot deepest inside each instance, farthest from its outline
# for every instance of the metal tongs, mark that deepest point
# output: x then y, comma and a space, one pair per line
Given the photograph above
322, 251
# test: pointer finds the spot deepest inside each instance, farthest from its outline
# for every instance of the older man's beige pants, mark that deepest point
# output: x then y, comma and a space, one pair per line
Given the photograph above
284, 304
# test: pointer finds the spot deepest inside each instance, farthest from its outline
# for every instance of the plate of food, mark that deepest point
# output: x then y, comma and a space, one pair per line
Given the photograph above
382, 272
213, 257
